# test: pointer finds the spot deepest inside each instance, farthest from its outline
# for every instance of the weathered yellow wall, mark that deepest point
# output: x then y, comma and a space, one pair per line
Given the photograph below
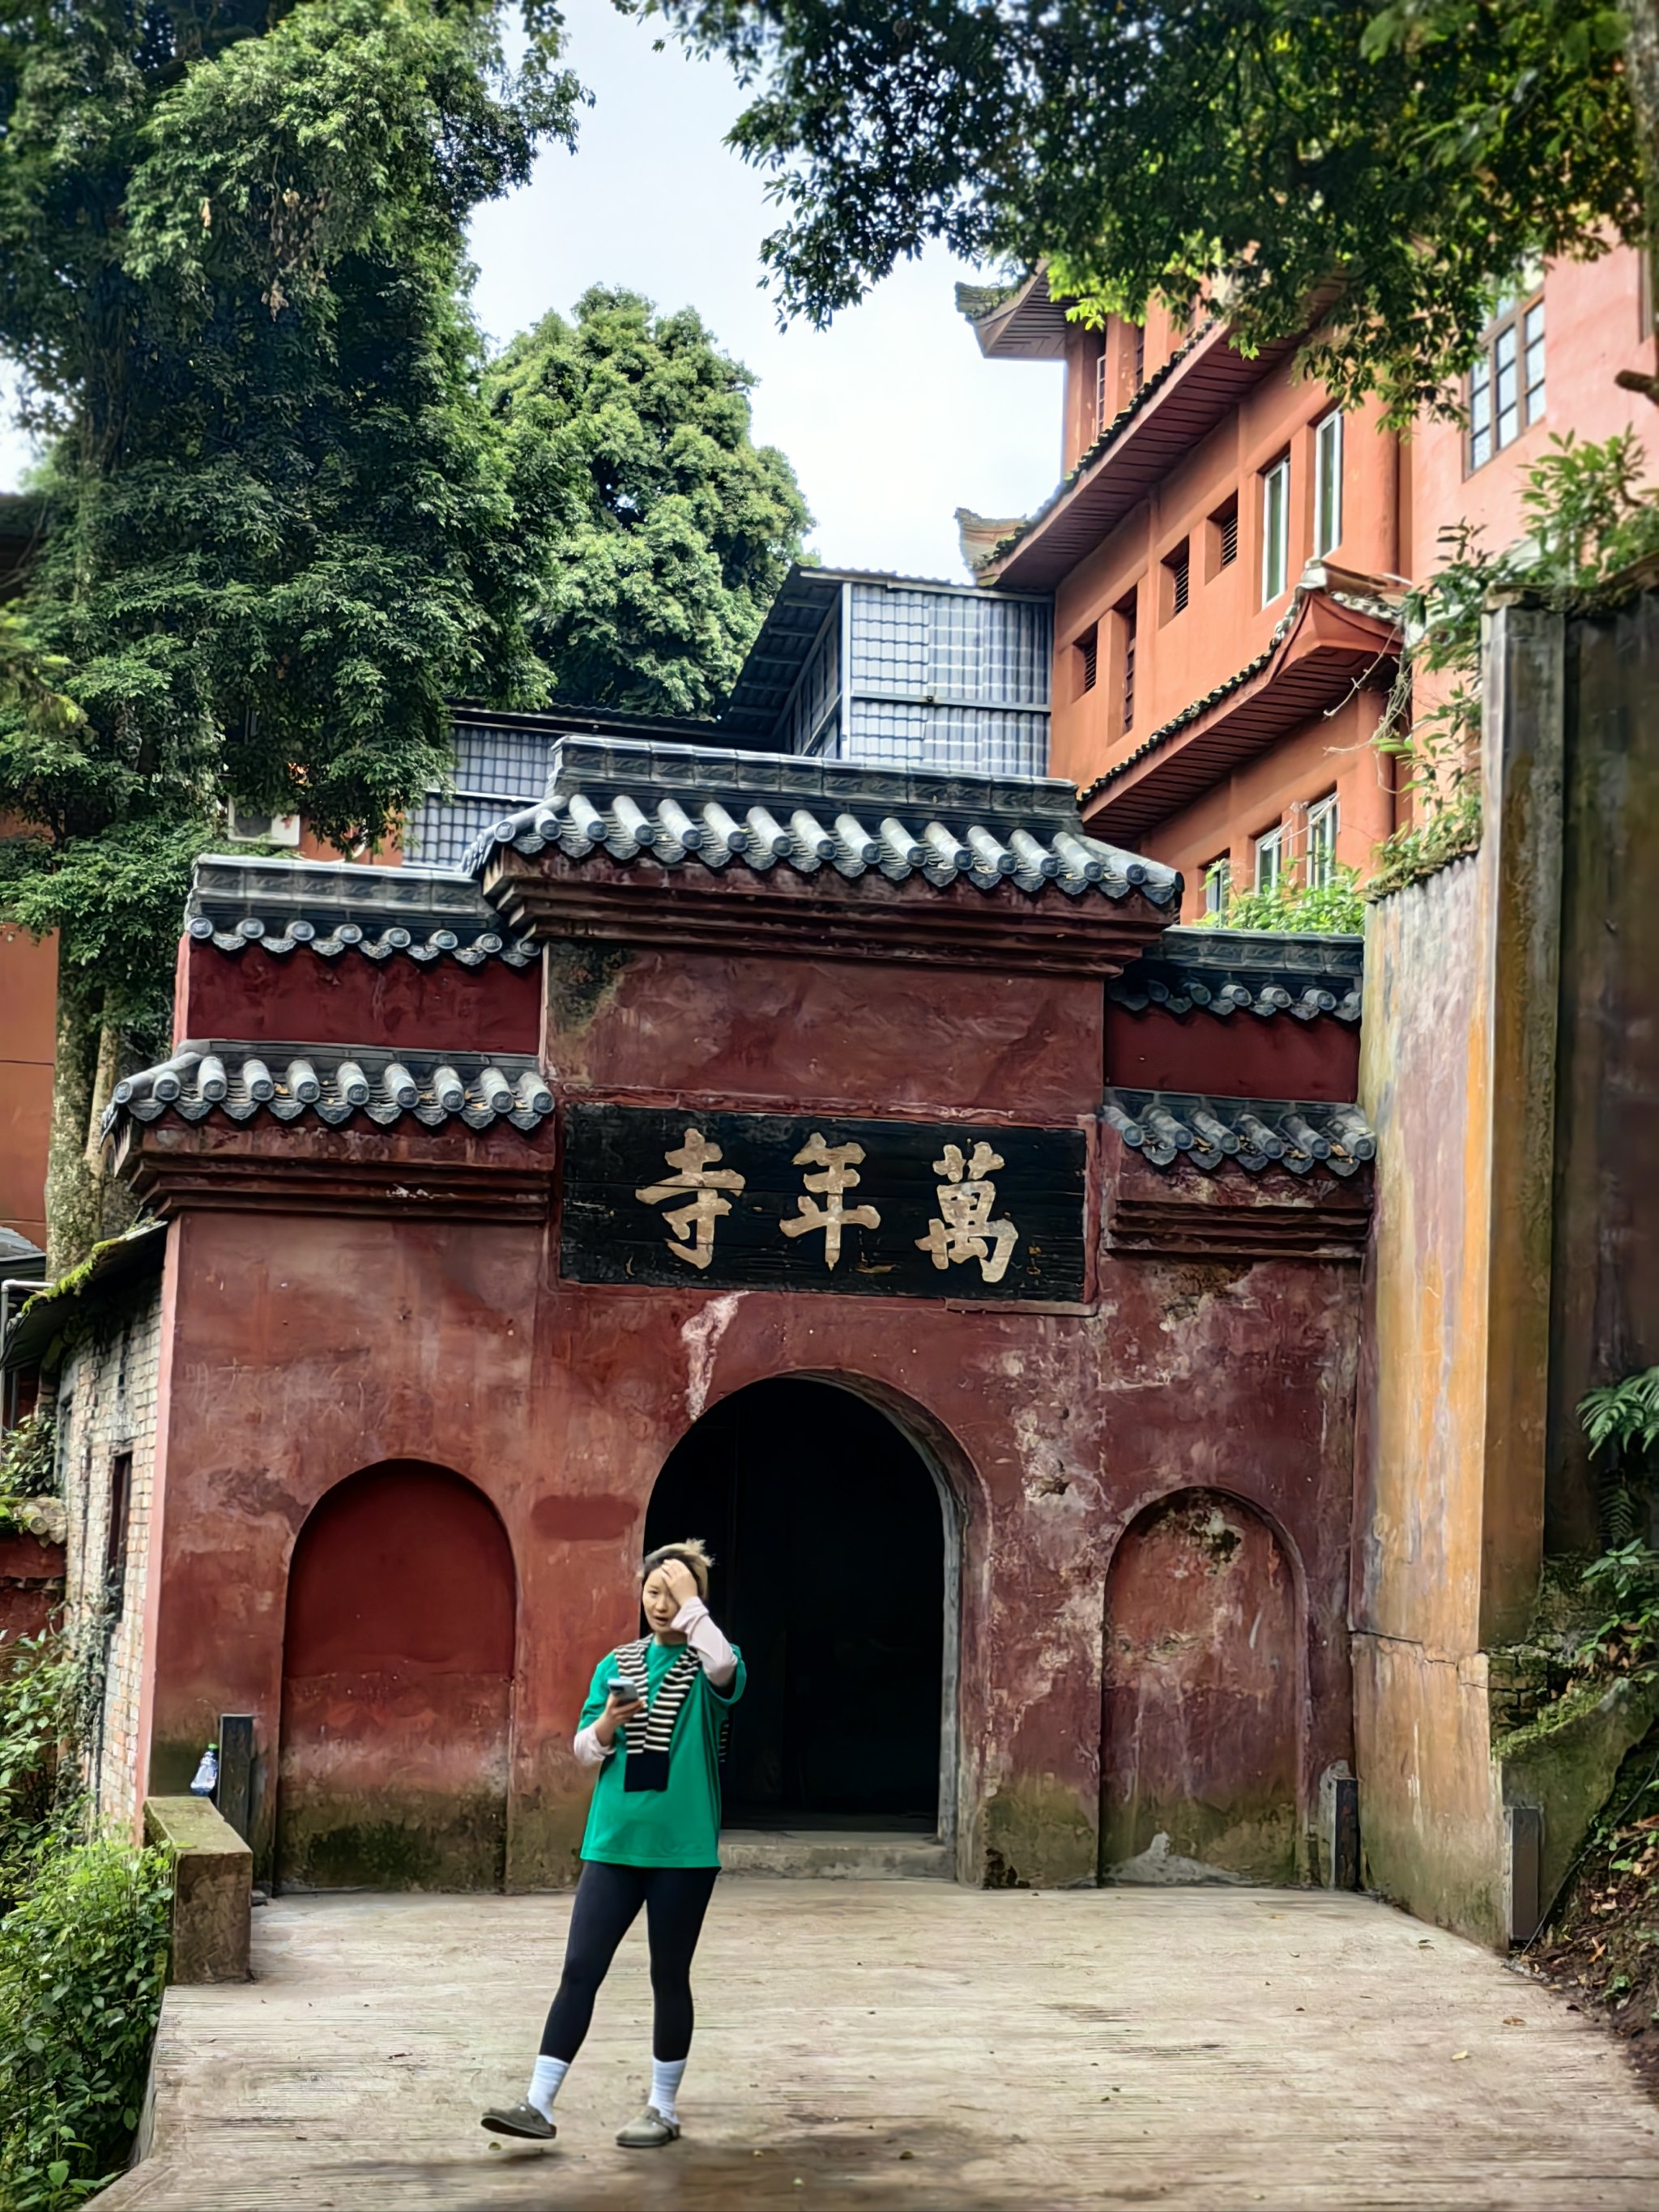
1457, 1073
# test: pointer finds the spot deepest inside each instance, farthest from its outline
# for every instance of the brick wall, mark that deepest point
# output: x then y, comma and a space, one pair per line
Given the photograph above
106, 1410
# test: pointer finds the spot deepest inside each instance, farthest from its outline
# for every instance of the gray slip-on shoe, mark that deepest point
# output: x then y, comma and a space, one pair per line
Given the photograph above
649, 2132
523, 2119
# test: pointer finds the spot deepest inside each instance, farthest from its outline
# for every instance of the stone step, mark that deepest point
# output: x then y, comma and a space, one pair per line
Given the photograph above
836, 1854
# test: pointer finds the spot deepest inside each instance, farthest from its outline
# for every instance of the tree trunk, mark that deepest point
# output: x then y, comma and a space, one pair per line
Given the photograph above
83, 1204
1642, 74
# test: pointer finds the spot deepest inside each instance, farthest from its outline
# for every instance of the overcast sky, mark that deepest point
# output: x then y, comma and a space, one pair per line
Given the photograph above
892, 418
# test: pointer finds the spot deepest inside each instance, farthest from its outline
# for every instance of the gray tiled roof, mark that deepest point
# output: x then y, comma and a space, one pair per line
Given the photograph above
331, 1083
679, 804
330, 909
1230, 971
1253, 1133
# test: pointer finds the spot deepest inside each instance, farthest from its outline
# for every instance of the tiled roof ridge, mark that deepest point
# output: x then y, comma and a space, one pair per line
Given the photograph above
331, 1083
1305, 590
1261, 972
1252, 1133
1085, 461
284, 906
1070, 860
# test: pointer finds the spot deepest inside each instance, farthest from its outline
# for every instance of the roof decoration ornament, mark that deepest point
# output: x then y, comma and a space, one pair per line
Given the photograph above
331, 1083
680, 806
1252, 1133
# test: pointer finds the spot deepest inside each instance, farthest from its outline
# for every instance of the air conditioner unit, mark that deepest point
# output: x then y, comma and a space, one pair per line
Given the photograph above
249, 829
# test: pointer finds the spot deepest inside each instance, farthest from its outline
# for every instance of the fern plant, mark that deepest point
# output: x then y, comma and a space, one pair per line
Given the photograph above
1622, 1419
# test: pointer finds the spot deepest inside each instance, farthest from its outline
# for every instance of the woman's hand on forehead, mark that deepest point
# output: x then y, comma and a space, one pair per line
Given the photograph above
677, 1580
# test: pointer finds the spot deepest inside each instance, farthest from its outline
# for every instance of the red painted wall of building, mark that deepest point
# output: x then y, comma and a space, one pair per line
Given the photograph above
1243, 1057
259, 998
304, 1346
28, 1030
397, 1685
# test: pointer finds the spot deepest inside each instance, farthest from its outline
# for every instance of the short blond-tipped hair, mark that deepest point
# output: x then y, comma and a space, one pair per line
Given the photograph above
692, 1553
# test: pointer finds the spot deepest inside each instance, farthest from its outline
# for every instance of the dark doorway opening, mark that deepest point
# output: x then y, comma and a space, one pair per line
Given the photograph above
828, 1533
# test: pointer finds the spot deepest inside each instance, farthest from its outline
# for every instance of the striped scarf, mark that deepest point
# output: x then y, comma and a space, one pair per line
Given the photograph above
645, 1766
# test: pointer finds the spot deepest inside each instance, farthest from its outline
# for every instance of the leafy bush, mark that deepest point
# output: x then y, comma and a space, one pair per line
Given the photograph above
1323, 909
1622, 1419
84, 1960
38, 1785
28, 1466
1625, 1583
1589, 519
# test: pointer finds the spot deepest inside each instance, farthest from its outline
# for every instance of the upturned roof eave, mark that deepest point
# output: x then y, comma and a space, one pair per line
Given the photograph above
1176, 407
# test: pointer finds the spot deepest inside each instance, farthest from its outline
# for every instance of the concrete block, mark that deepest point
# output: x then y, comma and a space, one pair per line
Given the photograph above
212, 1888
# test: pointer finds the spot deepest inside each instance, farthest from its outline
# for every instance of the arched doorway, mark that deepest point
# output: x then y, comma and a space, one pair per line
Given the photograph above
1202, 1693
830, 1538
397, 1687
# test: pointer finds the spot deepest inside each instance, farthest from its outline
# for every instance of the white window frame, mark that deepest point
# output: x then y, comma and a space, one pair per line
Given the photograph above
1327, 485
1268, 850
1323, 822
1217, 883
1275, 530
1100, 388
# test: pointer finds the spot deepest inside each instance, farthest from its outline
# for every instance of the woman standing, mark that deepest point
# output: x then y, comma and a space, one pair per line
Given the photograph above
653, 1723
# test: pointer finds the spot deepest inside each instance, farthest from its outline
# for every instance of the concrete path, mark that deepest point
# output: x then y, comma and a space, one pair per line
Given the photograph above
867, 2044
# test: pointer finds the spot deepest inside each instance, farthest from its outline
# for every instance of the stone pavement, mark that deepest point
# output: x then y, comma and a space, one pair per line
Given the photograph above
867, 2044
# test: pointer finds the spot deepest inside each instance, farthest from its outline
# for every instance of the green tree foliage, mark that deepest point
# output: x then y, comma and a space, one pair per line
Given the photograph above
1411, 152
82, 1964
674, 529
1590, 519
281, 522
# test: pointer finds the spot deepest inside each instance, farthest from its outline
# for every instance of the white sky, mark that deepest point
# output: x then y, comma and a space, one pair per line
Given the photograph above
891, 417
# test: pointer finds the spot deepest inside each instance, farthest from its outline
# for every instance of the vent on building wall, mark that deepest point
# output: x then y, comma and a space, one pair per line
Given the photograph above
1179, 565
1125, 613
248, 828
1228, 525
1088, 654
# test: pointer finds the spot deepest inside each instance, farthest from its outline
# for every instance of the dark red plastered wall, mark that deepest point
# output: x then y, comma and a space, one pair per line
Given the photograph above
1242, 1057
257, 997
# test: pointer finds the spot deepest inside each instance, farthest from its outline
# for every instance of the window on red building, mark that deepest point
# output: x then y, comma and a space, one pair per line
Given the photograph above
1270, 858
1178, 575
1124, 615
1275, 530
1224, 536
1217, 884
1328, 485
1102, 417
1322, 822
1088, 657
1506, 382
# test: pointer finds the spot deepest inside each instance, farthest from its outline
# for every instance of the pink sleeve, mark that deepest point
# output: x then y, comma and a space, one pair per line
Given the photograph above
720, 1660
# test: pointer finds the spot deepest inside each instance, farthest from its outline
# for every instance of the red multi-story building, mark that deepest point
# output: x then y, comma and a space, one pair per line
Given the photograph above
1223, 546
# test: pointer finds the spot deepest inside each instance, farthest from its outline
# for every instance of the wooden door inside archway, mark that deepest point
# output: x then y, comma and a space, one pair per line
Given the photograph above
397, 1687
1202, 1694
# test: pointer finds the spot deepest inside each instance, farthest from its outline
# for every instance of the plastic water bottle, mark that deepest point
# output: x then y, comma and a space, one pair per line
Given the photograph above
207, 1774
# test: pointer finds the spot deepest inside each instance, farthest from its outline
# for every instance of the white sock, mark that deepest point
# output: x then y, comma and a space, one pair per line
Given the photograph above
666, 2075
544, 2082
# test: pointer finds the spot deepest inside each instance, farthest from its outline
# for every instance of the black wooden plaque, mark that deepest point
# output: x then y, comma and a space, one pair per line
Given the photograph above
731, 1205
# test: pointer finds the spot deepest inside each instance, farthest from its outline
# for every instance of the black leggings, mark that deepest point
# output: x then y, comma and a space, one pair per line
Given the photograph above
608, 1901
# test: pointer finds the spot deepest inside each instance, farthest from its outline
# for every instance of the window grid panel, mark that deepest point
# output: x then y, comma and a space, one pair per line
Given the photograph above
1269, 856
1229, 538
1275, 530
1480, 412
1507, 386
1322, 823
1534, 361
1328, 522
1218, 885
